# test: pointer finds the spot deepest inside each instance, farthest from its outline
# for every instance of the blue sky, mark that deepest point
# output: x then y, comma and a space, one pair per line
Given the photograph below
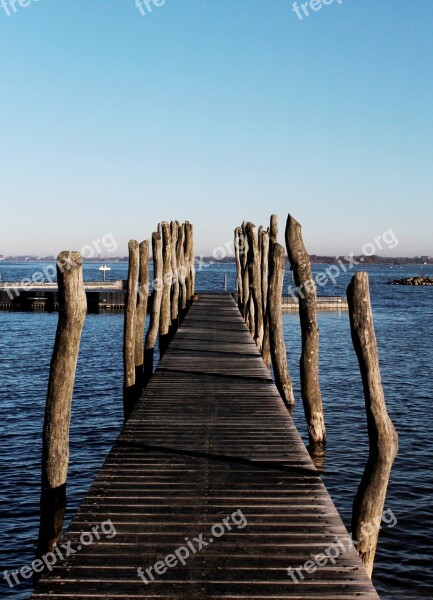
216, 111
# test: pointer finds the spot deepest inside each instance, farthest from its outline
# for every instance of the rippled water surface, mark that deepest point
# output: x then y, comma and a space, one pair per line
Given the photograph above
403, 320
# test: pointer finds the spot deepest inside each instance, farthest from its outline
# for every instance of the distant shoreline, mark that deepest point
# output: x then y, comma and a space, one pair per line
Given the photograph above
315, 259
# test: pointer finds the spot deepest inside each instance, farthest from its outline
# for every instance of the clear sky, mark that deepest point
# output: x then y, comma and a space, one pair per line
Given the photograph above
216, 111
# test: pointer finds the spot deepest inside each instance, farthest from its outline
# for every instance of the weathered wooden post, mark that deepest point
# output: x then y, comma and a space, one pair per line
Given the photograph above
192, 259
383, 440
309, 363
152, 332
251, 314
129, 330
167, 275
186, 253
189, 261
259, 244
245, 277
278, 347
256, 285
143, 295
174, 227
238, 246
182, 268
273, 228
266, 348
55, 436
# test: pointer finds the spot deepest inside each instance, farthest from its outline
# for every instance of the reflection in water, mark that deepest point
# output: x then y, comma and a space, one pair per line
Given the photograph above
318, 456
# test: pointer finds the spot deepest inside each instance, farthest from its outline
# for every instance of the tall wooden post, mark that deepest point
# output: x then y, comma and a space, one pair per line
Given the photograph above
259, 244
189, 261
278, 347
129, 330
143, 295
266, 349
182, 269
152, 332
251, 319
174, 227
192, 259
383, 440
245, 277
273, 228
256, 286
55, 436
167, 275
309, 363
238, 246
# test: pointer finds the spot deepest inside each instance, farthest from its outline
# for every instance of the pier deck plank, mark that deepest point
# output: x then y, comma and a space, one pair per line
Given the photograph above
210, 436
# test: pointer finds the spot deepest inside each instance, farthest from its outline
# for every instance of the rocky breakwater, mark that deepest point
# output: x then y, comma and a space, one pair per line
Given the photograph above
413, 281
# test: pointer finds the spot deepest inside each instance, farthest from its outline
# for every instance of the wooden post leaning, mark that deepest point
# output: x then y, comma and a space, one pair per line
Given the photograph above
129, 330
245, 277
309, 363
192, 259
152, 332
238, 246
182, 270
189, 252
55, 436
274, 309
383, 440
273, 228
175, 292
141, 311
167, 276
256, 284
266, 349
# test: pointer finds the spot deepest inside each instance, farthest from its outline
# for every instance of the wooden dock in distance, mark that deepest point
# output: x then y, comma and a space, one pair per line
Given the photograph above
331, 303
209, 437
110, 297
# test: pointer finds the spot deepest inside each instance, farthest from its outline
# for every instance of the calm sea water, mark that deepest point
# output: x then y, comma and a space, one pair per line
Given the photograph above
403, 320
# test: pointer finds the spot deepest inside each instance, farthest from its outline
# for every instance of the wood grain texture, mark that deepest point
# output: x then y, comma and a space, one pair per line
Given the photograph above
152, 331
264, 268
143, 295
309, 362
238, 250
383, 440
254, 261
273, 228
55, 434
174, 227
130, 321
275, 323
167, 276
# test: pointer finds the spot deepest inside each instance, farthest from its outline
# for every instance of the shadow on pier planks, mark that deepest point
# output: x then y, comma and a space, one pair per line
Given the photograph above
210, 436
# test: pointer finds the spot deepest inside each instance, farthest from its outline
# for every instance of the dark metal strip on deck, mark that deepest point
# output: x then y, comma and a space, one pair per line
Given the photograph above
210, 437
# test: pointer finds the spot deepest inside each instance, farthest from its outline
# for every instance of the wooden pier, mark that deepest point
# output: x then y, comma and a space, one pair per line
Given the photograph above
209, 436
102, 297
290, 304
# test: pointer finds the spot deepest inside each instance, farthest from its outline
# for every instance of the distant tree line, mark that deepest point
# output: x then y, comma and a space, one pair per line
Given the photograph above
315, 258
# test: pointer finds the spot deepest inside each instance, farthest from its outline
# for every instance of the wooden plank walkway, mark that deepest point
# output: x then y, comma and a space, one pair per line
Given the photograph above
209, 438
